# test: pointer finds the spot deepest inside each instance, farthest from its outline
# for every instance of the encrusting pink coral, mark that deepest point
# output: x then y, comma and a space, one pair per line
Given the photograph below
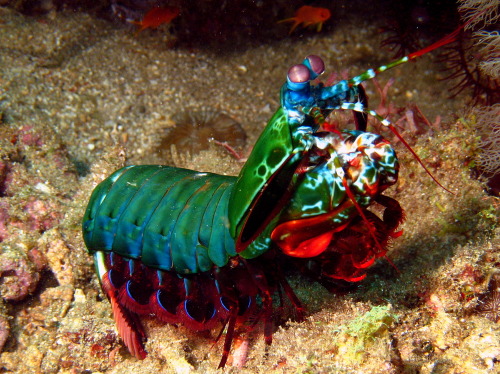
19, 276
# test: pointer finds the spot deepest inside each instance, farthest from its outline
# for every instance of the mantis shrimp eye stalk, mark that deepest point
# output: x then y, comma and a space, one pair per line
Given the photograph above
298, 77
315, 65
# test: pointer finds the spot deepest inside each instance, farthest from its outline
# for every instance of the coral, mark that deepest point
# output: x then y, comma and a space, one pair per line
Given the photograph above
479, 11
19, 276
30, 189
461, 350
4, 218
488, 304
463, 60
58, 256
490, 51
193, 131
371, 324
482, 15
482, 344
364, 332
38, 215
27, 135
473, 59
488, 119
4, 325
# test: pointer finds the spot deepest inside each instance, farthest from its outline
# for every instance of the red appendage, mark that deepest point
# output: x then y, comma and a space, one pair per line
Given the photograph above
225, 296
355, 248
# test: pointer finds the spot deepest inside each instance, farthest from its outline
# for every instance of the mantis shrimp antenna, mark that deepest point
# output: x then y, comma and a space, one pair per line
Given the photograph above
371, 73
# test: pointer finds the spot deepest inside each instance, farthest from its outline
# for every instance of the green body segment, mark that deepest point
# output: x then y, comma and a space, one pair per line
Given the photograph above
169, 218
271, 150
278, 151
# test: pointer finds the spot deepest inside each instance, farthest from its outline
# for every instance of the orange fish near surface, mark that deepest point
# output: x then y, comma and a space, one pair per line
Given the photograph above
308, 15
157, 16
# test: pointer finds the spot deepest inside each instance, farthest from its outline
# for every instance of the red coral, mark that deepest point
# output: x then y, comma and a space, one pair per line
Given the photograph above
4, 217
40, 216
29, 137
4, 331
18, 276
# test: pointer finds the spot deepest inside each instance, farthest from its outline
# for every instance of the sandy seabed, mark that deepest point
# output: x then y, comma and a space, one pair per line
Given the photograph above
80, 97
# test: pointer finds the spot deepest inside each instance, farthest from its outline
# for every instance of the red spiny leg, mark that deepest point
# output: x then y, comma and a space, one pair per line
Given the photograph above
260, 280
393, 214
229, 336
127, 323
297, 304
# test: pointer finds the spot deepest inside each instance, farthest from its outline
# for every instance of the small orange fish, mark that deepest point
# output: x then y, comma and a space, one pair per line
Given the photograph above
156, 17
308, 15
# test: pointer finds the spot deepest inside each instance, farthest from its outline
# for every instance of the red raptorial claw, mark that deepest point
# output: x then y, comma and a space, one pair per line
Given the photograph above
310, 247
397, 234
346, 278
308, 237
366, 263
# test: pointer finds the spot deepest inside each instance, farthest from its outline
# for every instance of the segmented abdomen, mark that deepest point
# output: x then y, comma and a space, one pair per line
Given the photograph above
169, 218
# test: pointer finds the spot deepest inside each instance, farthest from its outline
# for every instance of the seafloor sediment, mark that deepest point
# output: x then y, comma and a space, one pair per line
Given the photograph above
79, 97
